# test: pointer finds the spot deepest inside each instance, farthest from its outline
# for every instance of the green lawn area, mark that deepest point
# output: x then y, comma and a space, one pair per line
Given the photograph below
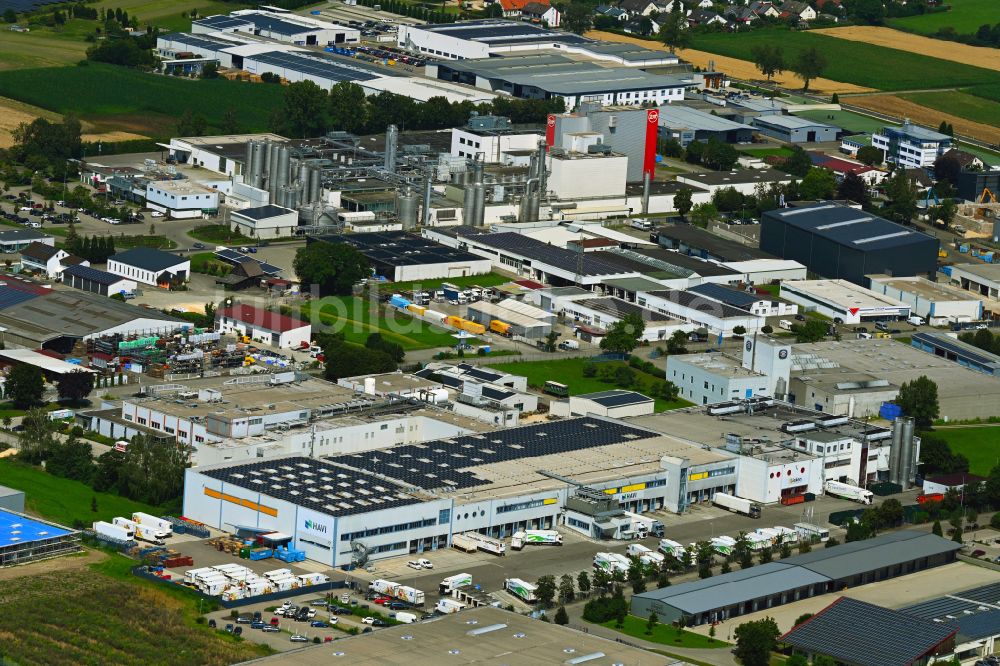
965, 16
202, 262
158, 242
980, 444
119, 98
63, 500
8, 409
665, 634
852, 122
855, 62
569, 371
488, 280
358, 318
217, 233
961, 104
772, 289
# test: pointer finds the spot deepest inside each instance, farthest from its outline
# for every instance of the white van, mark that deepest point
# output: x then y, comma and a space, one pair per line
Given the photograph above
915, 320
785, 324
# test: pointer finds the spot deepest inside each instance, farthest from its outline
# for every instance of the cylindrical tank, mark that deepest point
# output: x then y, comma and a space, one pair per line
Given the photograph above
907, 472
406, 208
315, 185
391, 139
283, 165
425, 213
534, 202
247, 162
303, 172
258, 165
479, 207
895, 449
523, 212
469, 204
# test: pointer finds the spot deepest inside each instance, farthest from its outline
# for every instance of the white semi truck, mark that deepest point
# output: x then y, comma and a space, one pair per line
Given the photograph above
672, 548
521, 589
141, 532
723, 545
853, 493
152, 521
645, 555
611, 563
397, 591
518, 540
452, 583
644, 526
737, 504
446, 606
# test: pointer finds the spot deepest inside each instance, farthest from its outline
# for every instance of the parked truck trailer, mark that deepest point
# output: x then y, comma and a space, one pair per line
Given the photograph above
611, 562
397, 591
737, 504
152, 521
518, 540
452, 583
464, 543
113, 531
521, 589
488, 544
847, 491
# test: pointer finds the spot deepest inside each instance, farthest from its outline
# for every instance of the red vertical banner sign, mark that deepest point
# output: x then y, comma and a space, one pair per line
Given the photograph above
652, 132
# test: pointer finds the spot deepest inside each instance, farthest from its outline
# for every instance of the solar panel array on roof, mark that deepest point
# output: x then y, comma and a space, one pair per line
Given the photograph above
450, 462
316, 484
856, 632
400, 248
718, 292
92, 274
619, 308
616, 398
233, 257
497, 393
223, 22
699, 302
504, 32
942, 342
277, 25
10, 295
557, 257
315, 65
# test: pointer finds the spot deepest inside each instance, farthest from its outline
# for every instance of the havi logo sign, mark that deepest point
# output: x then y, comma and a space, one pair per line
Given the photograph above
315, 526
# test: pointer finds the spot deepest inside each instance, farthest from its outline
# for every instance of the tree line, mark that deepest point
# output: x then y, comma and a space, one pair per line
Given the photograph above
309, 110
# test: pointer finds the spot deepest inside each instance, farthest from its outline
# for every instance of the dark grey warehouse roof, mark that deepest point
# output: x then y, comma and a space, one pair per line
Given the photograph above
959, 349
699, 302
886, 550
12, 235
975, 612
318, 65
619, 308
697, 238
397, 248
263, 212
147, 258
502, 32
207, 42
220, 22
93, 274
616, 398
848, 226
863, 634
557, 257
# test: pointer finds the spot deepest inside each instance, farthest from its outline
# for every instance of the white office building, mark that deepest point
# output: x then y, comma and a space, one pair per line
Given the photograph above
911, 146
181, 199
844, 302
763, 371
939, 304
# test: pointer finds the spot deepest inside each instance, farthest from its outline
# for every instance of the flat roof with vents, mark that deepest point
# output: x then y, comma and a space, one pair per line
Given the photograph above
848, 226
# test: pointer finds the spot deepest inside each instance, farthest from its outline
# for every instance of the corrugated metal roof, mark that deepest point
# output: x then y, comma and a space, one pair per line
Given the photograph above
886, 550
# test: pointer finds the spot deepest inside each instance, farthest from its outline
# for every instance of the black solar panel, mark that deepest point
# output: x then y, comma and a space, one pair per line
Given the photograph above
315, 65
617, 398
400, 249
450, 462
558, 257
222, 22
233, 257
727, 295
941, 342
316, 484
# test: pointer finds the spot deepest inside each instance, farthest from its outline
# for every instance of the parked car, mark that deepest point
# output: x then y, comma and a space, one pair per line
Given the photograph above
299, 638
341, 610
274, 622
414, 564
319, 623
212, 624
379, 623
318, 602
425, 563
257, 616
270, 627
156, 213
397, 605
199, 246
244, 619
238, 631
368, 620
978, 553
257, 625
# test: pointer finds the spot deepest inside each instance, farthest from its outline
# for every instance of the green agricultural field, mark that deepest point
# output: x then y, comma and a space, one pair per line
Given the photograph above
986, 92
852, 62
34, 49
569, 371
980, 444
358, 318
63, 500
852, 122
134, 101
961, 104
104, 615
965, 17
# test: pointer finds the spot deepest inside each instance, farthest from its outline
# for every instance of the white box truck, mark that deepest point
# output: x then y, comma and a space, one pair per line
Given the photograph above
452, 583
611, 562
112, 531
915, 320
152, 521
723, 545
737, 504
644, 526
521, 589
397, 591
535, 538
645, 555
847, 491
141, 532
405, 618
446, 606
487, 544
672, 548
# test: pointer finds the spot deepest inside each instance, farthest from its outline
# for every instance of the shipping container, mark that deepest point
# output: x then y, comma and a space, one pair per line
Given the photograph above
472, 327
417, 309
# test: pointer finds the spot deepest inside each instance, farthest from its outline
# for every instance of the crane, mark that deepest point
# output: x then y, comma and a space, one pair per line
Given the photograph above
987, 196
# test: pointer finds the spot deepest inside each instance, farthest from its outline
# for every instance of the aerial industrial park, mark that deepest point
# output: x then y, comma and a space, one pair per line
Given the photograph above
500, 332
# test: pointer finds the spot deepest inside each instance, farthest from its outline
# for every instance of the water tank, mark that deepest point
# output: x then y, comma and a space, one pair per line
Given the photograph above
523, 211
391, 140
257, 171
406, 208
315, 184
533, 204
248, 162
469, 204
283, 166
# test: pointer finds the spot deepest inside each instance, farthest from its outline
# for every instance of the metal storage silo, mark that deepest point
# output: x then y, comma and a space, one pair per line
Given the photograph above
908, 458
895, 449
247, 162
391, 141
406, 208
283, 166
315, 184
479, 204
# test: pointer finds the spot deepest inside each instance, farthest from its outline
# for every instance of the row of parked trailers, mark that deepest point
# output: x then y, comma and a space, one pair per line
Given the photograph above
234, 581
401, 303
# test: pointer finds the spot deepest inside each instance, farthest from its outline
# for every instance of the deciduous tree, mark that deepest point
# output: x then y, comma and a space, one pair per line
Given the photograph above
809, 64
24, 386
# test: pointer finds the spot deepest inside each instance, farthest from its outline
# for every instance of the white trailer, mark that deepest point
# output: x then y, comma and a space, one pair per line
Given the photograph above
643, 526
854, 493
758, 542
786, 535
487, 544
521, 589
405, 618
672, 548
611, 563
446, 606
452, 583
112, 531
141, 532
723, 545
737, 504
645, 555
810, 531
397, 591
464, 543
154, 522
535, 538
